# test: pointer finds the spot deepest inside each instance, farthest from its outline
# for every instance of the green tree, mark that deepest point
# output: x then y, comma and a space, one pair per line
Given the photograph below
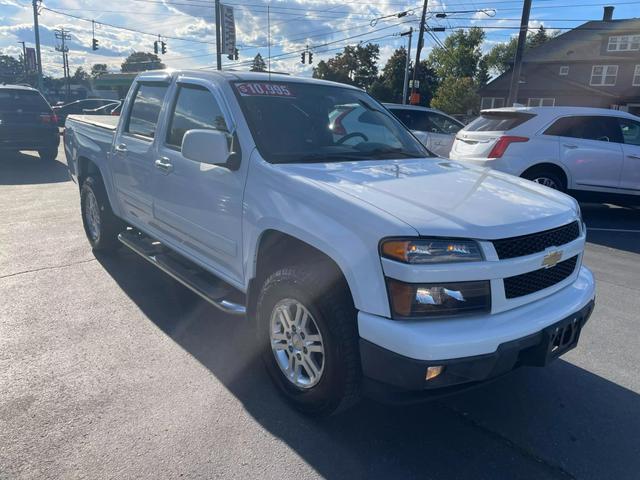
11, 70
141, 61
500, 58
456, 95
482, 75
388, 86
98, 69
354, 65
459, 56
258, 64
80, 76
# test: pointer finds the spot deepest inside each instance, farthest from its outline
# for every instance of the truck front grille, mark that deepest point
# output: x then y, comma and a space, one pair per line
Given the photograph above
532, 282
536, 242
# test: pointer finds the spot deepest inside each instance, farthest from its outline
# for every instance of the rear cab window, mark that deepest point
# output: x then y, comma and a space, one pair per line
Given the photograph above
145, 109
498, 121
22, 100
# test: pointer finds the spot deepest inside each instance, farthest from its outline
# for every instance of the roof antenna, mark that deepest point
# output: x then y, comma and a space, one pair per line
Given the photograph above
269, 39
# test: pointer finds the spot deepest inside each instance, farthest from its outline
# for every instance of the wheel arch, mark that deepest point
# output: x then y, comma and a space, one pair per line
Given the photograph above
275, 249
553, 167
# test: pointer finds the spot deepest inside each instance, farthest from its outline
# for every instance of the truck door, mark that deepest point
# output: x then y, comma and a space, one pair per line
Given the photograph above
133, 155
199, 205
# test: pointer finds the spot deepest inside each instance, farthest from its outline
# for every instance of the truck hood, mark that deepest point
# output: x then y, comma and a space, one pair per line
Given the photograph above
440, 197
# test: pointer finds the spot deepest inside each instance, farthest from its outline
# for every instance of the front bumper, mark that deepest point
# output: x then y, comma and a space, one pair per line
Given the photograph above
395, 354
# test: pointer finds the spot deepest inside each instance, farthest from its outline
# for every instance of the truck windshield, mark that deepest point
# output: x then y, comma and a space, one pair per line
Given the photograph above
296, 122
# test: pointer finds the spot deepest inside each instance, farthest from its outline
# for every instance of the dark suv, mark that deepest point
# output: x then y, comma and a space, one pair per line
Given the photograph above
27, 122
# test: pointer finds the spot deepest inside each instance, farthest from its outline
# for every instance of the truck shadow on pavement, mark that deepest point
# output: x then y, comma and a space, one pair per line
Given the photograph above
561, 422
615, 226
29, 169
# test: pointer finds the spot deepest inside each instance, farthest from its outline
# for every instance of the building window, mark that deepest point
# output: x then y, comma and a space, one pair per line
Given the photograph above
623, 43
564, 70
604, 75
491, 102
636, 76
541, 102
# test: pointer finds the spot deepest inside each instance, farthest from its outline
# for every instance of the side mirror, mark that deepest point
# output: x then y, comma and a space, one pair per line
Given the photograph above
206, 146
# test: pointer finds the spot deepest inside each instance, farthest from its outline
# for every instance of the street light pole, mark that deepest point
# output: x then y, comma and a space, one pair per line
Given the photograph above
405, 85
36, 30
218, 39
416, 67
517, 62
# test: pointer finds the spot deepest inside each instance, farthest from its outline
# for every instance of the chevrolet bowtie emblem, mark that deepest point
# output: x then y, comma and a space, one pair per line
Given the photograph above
551, 259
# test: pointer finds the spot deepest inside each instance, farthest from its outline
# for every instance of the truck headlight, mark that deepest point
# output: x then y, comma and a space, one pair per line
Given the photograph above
438, 299
431, 250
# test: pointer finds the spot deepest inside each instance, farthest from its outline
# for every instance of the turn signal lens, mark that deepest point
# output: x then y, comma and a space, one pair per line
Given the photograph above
433, 371
426, 299
433, 250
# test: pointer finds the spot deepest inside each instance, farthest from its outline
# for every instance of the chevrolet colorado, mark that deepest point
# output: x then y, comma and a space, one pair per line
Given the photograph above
366, 264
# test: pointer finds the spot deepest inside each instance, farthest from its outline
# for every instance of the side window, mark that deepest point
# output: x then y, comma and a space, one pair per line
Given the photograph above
195, 108
630, 131
414, 119
145, 110
444, 124
601, 128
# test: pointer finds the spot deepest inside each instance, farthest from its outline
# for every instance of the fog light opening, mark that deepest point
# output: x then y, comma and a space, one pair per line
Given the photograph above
433, 372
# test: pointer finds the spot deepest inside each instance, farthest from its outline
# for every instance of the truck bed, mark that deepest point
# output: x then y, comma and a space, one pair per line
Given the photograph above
110, 122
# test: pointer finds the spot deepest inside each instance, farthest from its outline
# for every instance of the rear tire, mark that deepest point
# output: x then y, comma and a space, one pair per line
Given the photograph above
48, 154
324, 364
546, 177
100, 224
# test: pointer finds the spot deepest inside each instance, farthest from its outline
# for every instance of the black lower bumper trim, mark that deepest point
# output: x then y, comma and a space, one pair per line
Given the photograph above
391, 374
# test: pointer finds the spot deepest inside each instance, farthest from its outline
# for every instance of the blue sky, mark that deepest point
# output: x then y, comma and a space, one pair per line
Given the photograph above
323, 25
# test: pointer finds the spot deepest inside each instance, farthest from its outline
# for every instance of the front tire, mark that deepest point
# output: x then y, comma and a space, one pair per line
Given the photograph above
308, 338
48, 154
546, 177
100, 224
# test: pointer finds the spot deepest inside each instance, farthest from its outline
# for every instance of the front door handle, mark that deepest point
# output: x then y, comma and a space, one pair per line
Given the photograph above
121, 148
164, 164
635, 157
570, 145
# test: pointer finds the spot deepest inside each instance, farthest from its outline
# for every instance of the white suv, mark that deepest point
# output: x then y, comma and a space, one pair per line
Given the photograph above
566, 148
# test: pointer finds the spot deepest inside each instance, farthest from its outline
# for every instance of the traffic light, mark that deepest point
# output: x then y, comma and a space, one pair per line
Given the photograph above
155, 47
302, 57
310, 57
164, 47
94, 44
234, 55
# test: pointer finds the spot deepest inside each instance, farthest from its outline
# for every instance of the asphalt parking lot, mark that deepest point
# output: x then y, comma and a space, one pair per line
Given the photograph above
110, 369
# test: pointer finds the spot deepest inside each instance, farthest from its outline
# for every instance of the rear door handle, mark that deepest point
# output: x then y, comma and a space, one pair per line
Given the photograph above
570, 145
122, 148
636, 157
164, 164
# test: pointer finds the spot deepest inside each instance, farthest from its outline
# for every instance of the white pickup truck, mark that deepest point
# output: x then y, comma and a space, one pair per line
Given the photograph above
366, 264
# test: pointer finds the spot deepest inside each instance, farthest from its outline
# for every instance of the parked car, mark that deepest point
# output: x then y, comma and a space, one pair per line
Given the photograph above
27, 122
582, 150
78, 107
365, 264
435, 129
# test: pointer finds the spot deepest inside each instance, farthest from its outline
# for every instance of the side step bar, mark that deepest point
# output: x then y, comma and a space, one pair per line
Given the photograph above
215, 291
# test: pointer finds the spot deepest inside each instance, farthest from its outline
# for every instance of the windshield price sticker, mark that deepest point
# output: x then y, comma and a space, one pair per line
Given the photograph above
266, 89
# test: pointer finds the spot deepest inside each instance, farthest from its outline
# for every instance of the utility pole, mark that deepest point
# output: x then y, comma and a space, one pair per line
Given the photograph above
63, 37
517, 61
24, 60
416, 67
218, 39
405, 84
36, 30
